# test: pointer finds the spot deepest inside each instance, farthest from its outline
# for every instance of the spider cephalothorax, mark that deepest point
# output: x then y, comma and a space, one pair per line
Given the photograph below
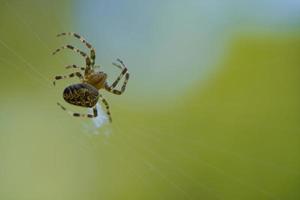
86, 93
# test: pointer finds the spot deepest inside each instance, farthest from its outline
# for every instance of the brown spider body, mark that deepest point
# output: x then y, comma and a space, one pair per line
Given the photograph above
81, 94
96, 79
85, 94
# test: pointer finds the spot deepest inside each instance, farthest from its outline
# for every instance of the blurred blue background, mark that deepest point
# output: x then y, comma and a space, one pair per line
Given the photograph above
176, 41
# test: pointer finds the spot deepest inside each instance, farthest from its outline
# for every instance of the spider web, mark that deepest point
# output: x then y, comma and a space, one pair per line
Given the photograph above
152, 160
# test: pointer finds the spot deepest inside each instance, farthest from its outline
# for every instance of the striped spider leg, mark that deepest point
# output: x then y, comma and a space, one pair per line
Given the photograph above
74, 67
125, 72
76, 114
87, 44
106, 106
60, 77
88, 68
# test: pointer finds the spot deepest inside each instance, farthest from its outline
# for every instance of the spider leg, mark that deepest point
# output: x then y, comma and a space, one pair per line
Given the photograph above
75, 114
87, 58
75, 66
88, 45
115, 83
106, 106
72, 48
78, 74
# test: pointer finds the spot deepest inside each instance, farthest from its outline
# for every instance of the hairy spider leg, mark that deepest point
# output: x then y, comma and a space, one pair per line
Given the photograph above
87, 58
106, 106
115, 83
75, 67
72, 48
75, 114
87, 44
78, 74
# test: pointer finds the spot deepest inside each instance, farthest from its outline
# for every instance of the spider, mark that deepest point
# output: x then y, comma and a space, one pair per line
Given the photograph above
86, 94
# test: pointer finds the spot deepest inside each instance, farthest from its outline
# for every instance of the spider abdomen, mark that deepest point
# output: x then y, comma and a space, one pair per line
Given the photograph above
81, 94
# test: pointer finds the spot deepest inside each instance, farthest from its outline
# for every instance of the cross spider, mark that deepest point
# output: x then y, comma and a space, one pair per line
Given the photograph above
85, 94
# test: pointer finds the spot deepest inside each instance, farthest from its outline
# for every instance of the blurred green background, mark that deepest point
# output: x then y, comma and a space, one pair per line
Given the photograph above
211, 110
